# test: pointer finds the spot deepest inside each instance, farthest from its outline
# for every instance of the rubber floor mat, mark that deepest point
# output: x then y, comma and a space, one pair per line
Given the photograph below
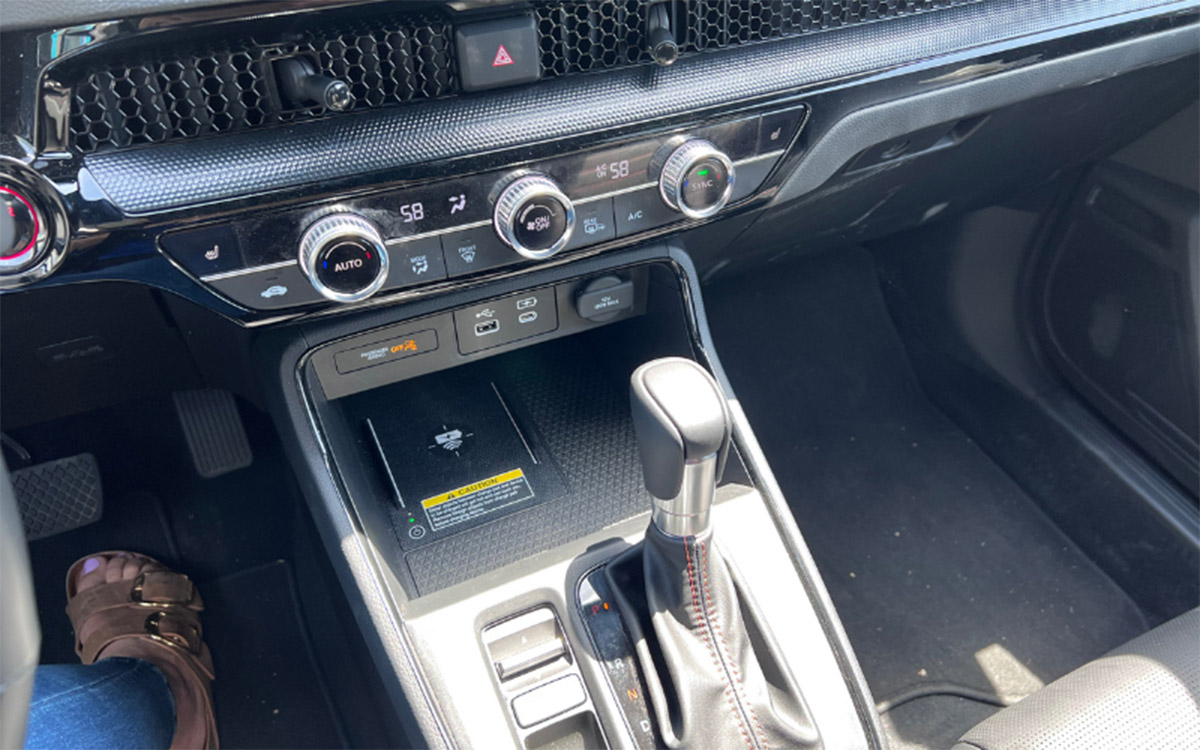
941, 568
268, 692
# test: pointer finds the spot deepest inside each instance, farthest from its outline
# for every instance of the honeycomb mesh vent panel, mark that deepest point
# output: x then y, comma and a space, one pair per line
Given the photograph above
228, 84
579, 36
225, 82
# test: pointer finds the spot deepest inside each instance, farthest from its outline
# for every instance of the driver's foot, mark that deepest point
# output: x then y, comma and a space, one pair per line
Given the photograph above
99, 570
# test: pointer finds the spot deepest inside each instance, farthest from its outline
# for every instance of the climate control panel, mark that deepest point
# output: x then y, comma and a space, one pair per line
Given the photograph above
352, 249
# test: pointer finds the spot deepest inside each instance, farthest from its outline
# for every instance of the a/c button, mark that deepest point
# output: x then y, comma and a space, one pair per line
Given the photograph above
641, 210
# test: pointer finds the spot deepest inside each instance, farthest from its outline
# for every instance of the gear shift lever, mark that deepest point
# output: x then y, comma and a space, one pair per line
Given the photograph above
682, 426
705, 681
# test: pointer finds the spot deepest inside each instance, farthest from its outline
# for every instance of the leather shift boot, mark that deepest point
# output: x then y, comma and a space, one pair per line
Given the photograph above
707, 684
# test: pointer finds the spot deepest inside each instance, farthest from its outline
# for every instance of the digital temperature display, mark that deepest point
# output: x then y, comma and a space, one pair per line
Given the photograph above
613, 169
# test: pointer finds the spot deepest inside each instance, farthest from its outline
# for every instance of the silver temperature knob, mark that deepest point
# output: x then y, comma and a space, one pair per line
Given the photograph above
696, 179
534, 217
344, 257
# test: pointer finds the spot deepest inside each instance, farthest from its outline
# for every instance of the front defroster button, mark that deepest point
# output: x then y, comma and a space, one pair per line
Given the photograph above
474, 249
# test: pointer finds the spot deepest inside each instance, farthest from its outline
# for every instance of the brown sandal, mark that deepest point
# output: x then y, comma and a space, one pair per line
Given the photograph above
160, 607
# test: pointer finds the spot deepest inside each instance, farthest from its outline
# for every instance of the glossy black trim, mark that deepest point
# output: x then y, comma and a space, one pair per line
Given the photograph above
110, 245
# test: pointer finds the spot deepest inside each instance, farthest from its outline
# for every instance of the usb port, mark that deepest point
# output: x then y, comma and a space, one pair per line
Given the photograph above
527, 317
487, 327
528, 302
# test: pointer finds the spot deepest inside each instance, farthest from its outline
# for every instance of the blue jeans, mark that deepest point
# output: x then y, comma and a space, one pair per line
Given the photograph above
114, 703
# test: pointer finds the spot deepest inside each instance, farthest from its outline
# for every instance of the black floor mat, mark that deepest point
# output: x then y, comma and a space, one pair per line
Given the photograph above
941, 569
268, 692
229, 534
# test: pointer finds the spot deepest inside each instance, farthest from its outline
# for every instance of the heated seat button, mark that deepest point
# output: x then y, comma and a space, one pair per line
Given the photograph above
205, 251
497, 53
776, 130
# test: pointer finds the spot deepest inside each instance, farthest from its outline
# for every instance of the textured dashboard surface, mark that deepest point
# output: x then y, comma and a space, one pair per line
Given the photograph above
198, 82
174, 176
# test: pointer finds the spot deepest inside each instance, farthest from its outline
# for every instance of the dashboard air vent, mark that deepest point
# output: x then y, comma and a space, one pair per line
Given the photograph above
229, 84
578, 36
174, 86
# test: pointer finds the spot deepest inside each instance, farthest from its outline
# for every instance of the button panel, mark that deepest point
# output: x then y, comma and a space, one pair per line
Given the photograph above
444, 230
356, 364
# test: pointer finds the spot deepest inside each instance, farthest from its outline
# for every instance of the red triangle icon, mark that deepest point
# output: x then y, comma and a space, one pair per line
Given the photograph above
502, 58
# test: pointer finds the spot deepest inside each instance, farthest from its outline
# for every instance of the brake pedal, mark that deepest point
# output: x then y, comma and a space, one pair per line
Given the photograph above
213, 428
58, 496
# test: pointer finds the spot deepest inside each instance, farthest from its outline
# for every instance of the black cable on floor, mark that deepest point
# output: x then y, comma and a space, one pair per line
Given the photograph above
924, 690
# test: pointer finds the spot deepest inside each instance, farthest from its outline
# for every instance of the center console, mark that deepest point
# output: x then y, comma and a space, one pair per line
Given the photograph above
551, 556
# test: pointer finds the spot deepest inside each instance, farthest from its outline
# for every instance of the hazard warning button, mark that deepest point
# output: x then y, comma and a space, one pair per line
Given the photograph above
497, 53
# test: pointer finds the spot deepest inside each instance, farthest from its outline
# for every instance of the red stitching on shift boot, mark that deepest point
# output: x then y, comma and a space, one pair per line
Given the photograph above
704, 576
711, 651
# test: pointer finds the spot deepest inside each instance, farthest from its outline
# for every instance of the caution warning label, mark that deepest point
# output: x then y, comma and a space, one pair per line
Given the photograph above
477, 499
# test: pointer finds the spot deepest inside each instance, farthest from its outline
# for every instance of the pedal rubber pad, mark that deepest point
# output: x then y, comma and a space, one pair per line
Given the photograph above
58, 496
214, 431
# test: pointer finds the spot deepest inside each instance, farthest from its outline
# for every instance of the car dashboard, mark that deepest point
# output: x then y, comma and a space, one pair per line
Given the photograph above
396, 226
